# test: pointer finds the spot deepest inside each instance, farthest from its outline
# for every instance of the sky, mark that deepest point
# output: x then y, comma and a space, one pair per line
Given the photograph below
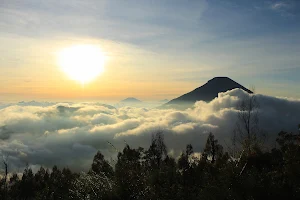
154, 49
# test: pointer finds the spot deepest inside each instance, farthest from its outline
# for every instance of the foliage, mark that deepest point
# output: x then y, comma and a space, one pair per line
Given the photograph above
153, 174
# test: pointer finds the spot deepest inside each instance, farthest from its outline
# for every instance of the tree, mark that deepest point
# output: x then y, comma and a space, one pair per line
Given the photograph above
154, 157
247, 131
131, 177
42, 183
184, 160
290, 148
101, 166
5, 163
27, 184
212, 148
169, 179
187, 179
92, 186
56, 184
14, 187
97, 183
157, 150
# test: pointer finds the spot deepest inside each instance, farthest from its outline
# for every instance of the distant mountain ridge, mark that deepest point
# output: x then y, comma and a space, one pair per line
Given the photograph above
206, 92
131, 100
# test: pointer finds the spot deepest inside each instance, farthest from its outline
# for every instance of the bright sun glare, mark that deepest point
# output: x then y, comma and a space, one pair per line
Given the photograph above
81, 62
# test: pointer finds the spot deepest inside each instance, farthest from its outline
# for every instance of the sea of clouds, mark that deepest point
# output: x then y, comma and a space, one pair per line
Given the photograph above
69, 134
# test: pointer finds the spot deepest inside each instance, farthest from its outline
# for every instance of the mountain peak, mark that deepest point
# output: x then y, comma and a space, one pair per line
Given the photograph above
218, 78
206, 92
131, 100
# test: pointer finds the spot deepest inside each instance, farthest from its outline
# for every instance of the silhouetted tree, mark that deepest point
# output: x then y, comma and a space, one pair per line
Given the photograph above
98, 183
130, 174
188, 177
247, 131
212, 149
101, 166
27, 186
59, 186
169, 189
154, 157
14, 187
5, 164
157, 150
184, 160
42, 183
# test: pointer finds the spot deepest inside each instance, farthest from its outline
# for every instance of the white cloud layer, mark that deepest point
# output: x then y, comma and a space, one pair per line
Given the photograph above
69, 134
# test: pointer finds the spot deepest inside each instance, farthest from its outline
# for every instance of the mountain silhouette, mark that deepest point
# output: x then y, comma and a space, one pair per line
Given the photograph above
131, 100
206, 92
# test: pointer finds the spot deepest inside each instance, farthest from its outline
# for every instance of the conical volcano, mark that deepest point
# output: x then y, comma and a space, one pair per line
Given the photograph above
206, 92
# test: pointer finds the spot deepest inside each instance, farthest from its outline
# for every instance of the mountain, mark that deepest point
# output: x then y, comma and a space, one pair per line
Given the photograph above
131, 100
206, 92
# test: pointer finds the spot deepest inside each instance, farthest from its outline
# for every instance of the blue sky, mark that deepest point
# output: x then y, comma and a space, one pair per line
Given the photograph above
176, 44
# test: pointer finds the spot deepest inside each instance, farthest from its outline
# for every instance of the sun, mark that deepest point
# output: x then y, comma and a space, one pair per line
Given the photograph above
82, 63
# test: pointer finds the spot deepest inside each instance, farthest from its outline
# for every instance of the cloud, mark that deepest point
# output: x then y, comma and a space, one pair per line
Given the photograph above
279, 5
69, 134
285, 8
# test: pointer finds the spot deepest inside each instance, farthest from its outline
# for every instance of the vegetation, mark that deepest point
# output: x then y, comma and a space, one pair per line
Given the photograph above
153, 174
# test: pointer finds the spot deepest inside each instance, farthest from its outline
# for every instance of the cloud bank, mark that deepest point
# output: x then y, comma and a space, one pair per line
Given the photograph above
69, 134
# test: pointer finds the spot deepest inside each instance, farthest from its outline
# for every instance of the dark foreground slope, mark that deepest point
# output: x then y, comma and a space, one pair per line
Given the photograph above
206, 92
